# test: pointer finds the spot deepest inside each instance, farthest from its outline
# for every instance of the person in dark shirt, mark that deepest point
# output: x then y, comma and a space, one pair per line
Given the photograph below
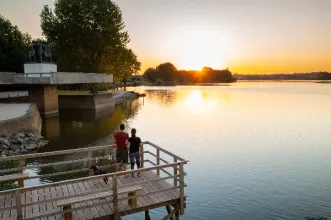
134, 150
121, 141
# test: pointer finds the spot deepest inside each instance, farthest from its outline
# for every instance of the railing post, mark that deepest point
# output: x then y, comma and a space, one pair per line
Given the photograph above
21, 170
142, 156
18, 204
175, 172
89, 162
115, 198
181, 182
158, 161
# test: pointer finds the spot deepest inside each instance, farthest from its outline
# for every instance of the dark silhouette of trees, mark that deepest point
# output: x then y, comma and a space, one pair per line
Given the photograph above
167, 72
288, 76
13, 47
89, 36
324, 76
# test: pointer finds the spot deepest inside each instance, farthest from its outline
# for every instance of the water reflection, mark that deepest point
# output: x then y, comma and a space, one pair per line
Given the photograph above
81, 128
164, 97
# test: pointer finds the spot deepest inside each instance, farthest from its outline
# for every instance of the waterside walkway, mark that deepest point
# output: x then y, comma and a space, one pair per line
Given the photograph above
161, 184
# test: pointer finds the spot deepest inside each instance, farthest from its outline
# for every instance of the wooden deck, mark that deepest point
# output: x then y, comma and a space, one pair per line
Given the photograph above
154, 200
40, 202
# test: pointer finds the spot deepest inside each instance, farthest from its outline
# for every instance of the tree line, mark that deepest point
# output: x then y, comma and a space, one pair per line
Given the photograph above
289, 76
84, 36
167, 72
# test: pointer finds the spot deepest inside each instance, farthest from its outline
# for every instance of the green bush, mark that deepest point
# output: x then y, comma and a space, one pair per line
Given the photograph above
8, 165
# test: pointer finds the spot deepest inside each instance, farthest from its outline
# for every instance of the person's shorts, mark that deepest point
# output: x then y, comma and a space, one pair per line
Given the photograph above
122, 156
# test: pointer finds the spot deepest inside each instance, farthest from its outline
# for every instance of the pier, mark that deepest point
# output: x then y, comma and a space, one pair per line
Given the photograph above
161, 184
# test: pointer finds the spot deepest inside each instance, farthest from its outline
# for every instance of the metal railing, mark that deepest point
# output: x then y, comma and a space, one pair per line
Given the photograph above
177, 166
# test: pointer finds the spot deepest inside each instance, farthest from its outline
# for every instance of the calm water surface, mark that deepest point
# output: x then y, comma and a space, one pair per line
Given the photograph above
256, 150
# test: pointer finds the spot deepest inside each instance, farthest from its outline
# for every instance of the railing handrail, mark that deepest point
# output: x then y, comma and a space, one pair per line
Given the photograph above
79, 150
84, 179
56, 153
163, 150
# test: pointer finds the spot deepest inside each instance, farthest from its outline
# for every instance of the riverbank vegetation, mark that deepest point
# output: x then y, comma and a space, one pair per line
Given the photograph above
167, 73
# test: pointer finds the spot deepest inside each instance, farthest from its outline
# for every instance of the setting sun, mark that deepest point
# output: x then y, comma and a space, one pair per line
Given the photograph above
198, 48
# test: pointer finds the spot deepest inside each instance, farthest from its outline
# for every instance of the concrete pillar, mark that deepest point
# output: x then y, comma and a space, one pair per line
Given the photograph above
46, 98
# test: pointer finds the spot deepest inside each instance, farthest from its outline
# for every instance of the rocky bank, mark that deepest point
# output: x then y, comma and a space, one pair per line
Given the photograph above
123, 96
20, 143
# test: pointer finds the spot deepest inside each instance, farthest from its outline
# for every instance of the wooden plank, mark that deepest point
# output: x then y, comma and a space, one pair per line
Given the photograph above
165, 185
115, 201
170, 213
126, 181
158, 161
141, 200
72, 193
54, 153
122, 205
87, 212
35, 208
16, 213
80, 213
13, 177
49, 205
101, 210
164, 151
181, 183
94, 211
28, 209
42, 207
6, 213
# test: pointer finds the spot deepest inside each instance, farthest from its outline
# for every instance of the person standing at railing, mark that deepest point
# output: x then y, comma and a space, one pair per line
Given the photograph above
121, 141
134, 142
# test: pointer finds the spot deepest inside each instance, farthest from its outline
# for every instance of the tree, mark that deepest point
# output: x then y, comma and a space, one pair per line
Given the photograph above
13, 47
89, 36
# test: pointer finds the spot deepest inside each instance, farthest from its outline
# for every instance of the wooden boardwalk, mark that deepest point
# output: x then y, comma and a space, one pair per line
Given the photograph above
41, 202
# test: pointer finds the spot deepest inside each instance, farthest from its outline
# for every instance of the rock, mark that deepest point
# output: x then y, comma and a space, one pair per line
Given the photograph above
13, 141
22, 147
15, 147
4, 147
10, 152
26, 139
4, 142
3, 154
17, 151
20, 140
24, 151
30, 146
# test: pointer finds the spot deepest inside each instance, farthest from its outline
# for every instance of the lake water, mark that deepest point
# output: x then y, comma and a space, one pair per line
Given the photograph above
256, 150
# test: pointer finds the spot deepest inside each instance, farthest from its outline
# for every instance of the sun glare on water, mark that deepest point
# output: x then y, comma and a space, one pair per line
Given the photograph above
198, 103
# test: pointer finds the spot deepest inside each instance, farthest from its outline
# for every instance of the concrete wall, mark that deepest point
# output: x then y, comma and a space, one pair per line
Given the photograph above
46, 98
30, 122
58, 78
80, 78
40, 68
92, 102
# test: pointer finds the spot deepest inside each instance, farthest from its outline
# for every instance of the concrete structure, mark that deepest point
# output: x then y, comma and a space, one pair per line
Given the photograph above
19, 118
43, 89
86, 102
36, 68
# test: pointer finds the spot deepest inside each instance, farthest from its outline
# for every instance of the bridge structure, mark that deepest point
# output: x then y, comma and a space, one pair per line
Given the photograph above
42, 86
109, 196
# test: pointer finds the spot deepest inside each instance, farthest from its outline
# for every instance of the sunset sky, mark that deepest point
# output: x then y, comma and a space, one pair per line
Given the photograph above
247, 36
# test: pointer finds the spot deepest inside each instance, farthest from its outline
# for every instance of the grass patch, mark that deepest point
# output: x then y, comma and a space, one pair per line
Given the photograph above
70, 92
